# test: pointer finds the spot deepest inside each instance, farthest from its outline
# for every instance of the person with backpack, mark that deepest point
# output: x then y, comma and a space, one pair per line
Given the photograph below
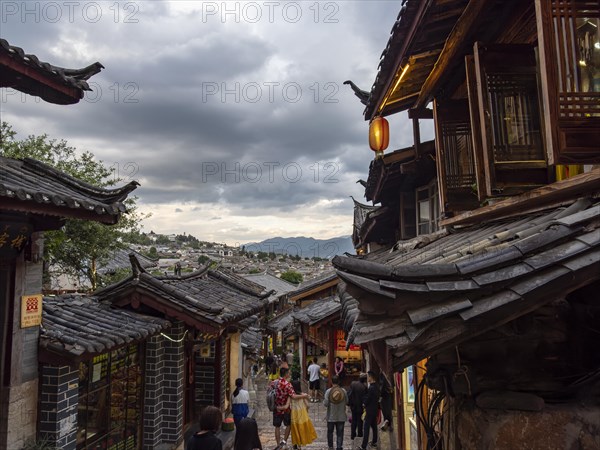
303, 430
239, 402
278, 393
358, 389
336, 400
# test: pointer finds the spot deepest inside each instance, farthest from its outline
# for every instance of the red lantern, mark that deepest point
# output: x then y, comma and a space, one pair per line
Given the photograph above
379, 135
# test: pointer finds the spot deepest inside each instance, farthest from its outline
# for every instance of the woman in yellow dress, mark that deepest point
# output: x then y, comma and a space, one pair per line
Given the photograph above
303, 432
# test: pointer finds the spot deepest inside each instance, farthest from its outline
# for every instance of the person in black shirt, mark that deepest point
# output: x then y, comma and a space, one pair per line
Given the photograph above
358, 389
205, 439
246, 435
371, 403
269, 360
387, 397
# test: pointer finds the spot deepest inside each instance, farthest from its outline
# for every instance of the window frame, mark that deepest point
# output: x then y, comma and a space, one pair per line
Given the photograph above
433, 198
572, 118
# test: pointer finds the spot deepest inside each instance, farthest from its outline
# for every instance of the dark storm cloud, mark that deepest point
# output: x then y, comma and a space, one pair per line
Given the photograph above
180, 97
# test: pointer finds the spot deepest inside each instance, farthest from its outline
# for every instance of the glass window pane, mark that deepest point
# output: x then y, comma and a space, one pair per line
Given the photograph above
97, 413
424, 211
588, 54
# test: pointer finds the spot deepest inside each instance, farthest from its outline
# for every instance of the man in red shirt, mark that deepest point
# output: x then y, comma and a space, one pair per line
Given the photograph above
284, 415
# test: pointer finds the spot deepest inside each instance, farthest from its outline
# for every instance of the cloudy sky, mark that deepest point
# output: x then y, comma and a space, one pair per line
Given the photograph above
231, 115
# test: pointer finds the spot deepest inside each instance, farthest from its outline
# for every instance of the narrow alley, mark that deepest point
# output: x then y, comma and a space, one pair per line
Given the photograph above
317, 412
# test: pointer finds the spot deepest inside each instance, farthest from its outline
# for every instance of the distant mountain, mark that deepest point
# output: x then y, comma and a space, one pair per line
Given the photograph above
306, 247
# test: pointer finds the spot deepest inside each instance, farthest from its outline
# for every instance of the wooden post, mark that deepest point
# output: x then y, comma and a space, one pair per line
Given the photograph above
400, 418
302, 351
423, 401
330, 354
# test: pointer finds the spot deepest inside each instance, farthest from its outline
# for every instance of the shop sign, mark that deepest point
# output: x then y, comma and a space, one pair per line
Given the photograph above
31, 310
341, 342
13, 238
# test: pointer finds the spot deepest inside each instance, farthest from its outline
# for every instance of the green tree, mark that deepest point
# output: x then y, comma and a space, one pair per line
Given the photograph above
81, 246
203, 259
152, 253
292, 276
161, 239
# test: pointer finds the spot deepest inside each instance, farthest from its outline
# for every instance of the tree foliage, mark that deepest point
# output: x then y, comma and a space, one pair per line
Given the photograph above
292, 276
80, 247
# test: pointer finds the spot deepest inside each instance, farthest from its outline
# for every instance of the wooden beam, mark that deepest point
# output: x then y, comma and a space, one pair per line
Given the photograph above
584, 184
420, 14
464, 29
43, 81
422, 113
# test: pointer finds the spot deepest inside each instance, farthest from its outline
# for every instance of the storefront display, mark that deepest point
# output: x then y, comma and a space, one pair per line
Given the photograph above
352, 357
110, 396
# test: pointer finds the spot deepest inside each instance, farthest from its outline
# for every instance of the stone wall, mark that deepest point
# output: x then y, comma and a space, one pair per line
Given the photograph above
58, 406
22, 413
556, 427
164, 389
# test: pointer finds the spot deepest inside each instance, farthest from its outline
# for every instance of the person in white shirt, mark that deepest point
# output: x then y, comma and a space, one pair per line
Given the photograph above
239, 402
314, 375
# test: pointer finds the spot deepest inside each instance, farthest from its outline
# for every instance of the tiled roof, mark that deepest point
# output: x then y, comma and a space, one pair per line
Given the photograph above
77, 326
312, 283
120, 260
28, 74
271, 282
318, 310
282, 321
361, 213
416, 53
459, 283
217, 297
399, 171
28, 184
350, 310
252, 338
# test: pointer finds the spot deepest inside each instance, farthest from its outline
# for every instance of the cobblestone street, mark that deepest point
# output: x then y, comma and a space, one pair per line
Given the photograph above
317, 411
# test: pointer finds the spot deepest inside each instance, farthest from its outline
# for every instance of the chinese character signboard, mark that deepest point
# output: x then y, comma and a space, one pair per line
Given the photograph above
341, 342
31, 310
13, 237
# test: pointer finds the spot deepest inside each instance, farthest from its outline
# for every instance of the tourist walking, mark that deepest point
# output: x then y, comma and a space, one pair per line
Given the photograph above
303, 432
205, 439
314, 377
273, 372
239, 402
371, 404
283, 364
290, 357
283, 412
246, 435
387, 396
335, 401
358, 390
269, 360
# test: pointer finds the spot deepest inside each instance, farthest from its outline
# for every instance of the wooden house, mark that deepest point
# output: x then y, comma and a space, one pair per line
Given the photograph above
487, 288
204, 354
33, 198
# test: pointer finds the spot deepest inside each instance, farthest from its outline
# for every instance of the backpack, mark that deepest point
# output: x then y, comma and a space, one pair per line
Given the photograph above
271, 395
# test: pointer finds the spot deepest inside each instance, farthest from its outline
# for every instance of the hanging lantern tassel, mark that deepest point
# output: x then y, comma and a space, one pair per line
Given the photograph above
379, 135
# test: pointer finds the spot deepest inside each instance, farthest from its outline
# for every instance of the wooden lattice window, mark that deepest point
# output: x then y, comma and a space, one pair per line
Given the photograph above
455, 155
569, 37
512, 158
